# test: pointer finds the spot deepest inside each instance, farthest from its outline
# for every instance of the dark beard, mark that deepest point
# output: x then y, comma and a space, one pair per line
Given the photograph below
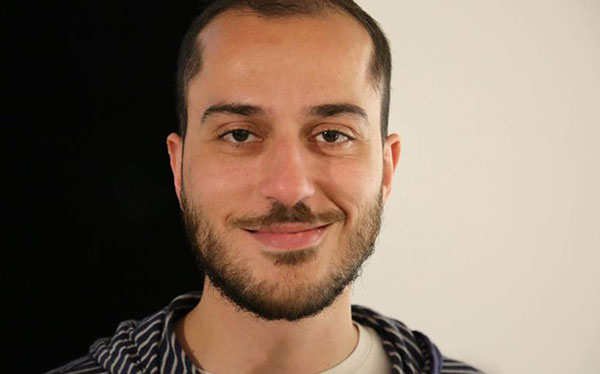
235, 281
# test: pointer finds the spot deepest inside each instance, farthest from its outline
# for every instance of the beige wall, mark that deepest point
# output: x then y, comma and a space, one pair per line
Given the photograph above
491, 240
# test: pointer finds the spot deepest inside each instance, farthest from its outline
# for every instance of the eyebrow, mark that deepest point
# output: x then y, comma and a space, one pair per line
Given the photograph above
232, 108
332, 110
247, 110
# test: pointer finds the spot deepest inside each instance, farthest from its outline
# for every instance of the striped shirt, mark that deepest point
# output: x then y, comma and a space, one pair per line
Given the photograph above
150, 346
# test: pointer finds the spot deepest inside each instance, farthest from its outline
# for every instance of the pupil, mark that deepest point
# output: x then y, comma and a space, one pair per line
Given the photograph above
240, 135
330, 136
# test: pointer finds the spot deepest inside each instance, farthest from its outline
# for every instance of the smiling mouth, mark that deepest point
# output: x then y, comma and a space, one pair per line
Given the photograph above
289, 237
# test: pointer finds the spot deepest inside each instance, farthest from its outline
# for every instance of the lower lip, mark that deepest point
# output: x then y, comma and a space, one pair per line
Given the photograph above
290, 241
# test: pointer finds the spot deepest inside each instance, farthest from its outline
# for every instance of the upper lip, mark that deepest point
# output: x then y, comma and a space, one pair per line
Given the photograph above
287, 228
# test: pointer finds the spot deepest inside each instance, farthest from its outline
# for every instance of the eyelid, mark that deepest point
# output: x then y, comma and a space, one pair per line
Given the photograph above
223, 134
348, 137
343, 129
349, 134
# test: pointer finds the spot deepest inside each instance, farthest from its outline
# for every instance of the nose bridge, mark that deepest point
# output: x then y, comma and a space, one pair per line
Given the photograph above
286, 171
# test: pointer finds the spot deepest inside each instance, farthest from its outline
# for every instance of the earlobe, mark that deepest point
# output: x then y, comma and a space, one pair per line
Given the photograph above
391, 156
175, 149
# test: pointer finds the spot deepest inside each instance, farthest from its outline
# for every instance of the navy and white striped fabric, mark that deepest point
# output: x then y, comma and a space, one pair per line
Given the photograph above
150, 346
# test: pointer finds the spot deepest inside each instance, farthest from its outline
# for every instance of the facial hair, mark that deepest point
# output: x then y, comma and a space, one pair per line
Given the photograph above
270, 301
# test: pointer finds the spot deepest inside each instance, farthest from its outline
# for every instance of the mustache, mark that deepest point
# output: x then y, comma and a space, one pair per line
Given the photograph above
279, 213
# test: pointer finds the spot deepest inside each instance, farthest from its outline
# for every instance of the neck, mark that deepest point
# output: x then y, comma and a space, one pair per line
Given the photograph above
216, 331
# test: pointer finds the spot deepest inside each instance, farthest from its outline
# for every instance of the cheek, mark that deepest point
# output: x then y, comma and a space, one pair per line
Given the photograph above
214, 184
360, 174
351, 184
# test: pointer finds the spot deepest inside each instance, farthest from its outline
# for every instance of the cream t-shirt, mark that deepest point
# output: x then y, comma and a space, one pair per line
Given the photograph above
368, 356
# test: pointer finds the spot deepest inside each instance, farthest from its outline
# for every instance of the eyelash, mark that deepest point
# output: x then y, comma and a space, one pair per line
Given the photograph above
234, 143
241, 144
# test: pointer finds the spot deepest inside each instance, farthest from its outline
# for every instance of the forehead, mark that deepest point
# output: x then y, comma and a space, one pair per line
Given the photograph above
243, 30
292, 56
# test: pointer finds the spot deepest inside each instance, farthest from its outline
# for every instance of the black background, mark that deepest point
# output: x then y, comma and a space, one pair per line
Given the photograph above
94, 235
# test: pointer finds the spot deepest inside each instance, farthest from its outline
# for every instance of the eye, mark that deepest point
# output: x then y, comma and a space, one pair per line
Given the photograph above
237, 136
332, 136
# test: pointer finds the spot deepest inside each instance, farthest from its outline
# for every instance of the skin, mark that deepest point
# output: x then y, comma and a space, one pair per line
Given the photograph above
284, 66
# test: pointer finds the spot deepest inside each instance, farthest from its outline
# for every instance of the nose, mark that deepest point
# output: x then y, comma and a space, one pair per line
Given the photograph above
286, 174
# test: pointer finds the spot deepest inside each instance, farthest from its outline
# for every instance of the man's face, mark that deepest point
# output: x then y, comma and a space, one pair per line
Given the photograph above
283, 176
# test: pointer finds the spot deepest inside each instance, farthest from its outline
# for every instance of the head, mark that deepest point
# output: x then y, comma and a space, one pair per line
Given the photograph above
283, 163
190, 52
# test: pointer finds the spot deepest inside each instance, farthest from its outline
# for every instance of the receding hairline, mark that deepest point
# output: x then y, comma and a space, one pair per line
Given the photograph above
323, 12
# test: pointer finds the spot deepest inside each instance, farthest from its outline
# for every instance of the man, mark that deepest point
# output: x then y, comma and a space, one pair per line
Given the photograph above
282, 165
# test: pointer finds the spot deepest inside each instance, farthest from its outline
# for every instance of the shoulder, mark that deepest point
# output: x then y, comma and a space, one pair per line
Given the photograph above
451, 366
137, 346
410, 351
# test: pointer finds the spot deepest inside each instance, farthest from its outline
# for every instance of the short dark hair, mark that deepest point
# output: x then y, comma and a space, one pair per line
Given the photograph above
189, 62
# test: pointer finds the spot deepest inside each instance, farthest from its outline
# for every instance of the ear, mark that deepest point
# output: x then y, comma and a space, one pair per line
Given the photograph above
175, 149
391, 155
